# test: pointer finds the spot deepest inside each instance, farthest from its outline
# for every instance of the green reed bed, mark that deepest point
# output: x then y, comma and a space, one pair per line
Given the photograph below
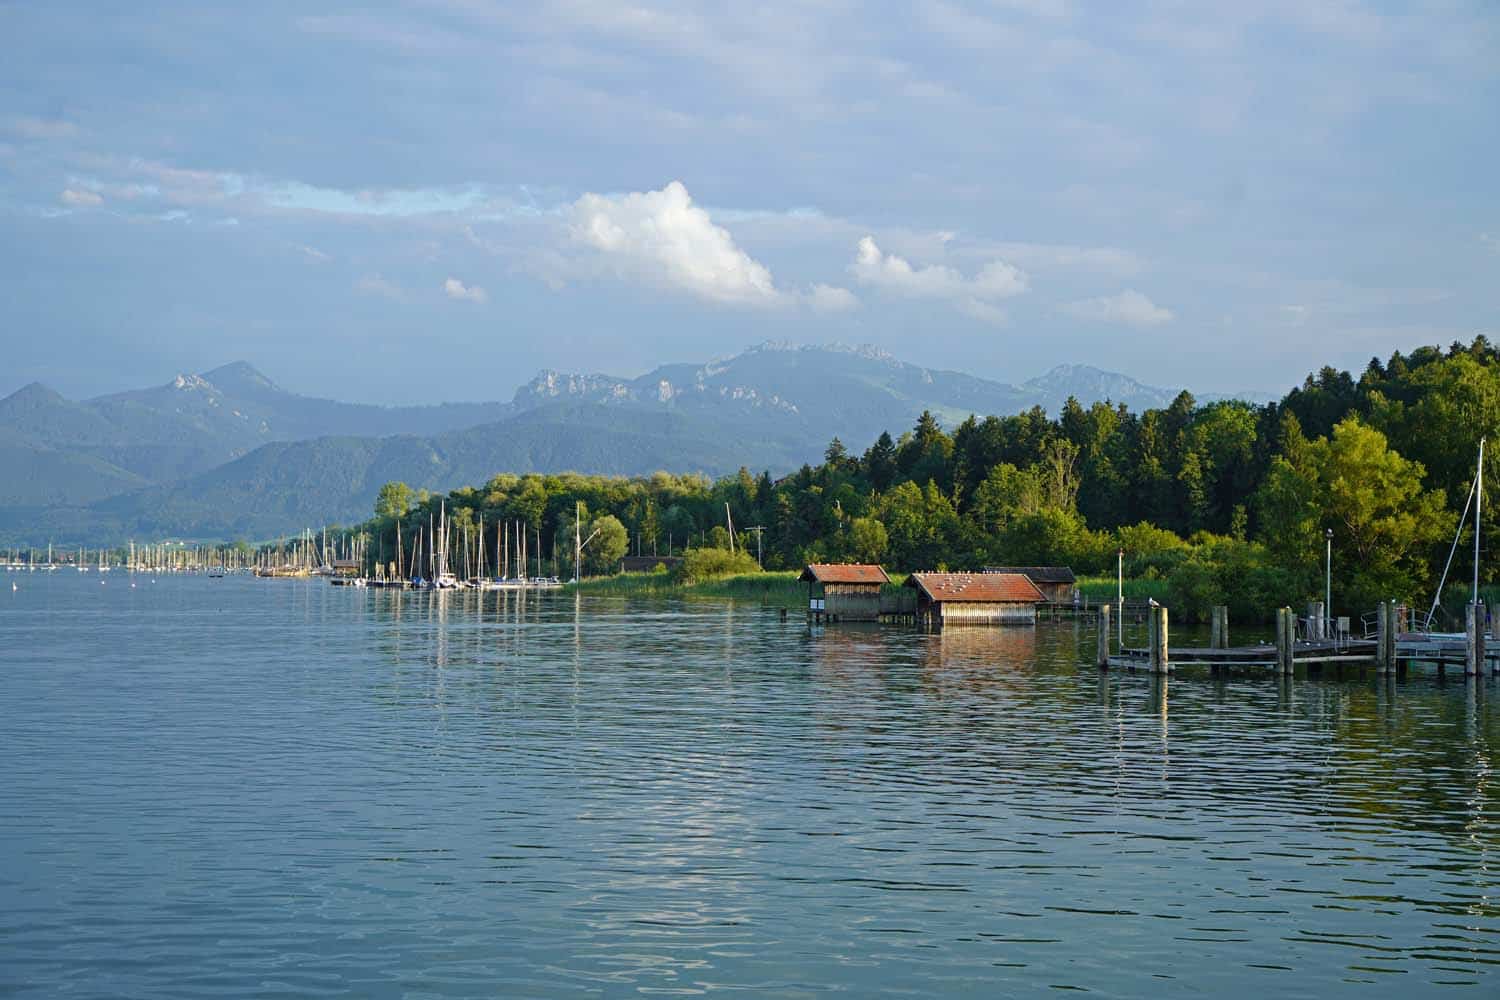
1100, 588
776, 588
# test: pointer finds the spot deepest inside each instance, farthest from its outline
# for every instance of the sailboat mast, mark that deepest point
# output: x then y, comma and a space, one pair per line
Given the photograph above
1478, 518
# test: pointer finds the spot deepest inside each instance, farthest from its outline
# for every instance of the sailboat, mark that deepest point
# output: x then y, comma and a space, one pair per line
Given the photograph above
442, 579
1475, 500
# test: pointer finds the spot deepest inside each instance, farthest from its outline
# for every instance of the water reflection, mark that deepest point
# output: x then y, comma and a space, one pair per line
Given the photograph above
371, 793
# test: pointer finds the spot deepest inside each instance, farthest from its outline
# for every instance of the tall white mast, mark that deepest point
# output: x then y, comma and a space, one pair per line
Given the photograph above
1478, 511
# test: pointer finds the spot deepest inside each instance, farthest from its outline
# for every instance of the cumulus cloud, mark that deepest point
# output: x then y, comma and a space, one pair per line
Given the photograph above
455, 289
1130, 307
81, 197
984, 312
664, 238
831, 299
975, 296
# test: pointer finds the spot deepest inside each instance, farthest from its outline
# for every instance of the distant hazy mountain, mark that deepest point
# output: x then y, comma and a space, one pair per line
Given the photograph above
229, 454
59, 451
855, 392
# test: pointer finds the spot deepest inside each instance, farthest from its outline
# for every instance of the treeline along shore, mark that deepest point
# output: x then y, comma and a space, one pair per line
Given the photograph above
1219, 503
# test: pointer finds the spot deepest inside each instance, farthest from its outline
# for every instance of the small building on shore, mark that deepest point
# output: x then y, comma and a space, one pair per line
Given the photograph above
1056, 583
348, 568
975, 598
847, 591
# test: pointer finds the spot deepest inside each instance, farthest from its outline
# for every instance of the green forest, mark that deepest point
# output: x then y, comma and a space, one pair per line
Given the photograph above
1224, 502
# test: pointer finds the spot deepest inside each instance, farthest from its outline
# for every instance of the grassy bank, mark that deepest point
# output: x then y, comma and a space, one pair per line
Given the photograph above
779, 589
1098, 588
775, 588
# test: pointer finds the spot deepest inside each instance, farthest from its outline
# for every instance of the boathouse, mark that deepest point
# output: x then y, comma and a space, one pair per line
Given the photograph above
346, 568
1055, 582
975, 598
847, 592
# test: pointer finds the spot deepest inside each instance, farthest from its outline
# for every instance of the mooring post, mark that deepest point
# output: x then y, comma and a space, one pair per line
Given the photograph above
1291, 641
1473, 639
1219, 627
1315, 619
1160, 660
1393, 634
1103, 637
1382, 638
1286, 630
1494, 636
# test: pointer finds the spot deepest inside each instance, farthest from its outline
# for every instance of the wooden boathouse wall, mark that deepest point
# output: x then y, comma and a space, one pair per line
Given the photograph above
847, 592
975, 598
852, 602
967, 613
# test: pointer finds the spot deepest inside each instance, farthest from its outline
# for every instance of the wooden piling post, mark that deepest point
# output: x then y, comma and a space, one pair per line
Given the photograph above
1103, 656
1383, 638
1286, 631
1315, 620
1473, 639
1219, 627
1161, 662
1393, 634
1494, 636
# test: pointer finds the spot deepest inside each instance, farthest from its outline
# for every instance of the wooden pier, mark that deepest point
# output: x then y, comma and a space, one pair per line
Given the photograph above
1388, 650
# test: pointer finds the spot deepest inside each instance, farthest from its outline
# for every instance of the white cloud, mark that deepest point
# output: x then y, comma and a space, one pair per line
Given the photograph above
663, 238
455, 289
81, 197
984, 312
975, 296
1130, 307
831, 299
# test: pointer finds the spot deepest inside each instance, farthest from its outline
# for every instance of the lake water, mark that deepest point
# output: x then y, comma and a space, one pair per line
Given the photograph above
278, 788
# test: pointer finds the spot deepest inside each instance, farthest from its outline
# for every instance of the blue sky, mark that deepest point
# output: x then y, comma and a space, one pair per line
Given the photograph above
431, 200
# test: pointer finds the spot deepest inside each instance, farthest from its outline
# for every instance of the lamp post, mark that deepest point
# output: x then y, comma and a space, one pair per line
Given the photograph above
1328, 576
1120, 593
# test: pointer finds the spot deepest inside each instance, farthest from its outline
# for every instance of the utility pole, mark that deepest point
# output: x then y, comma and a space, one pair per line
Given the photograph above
759, 531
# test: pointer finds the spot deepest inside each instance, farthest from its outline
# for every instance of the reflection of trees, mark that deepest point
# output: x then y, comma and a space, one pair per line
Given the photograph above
1417, 754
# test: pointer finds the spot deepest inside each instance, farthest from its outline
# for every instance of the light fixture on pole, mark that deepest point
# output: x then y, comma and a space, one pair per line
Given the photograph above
1120, 593
1328, 576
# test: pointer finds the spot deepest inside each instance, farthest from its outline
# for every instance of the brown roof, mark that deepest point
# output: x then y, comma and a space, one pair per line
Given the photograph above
981, 588
1038, 574
844, 573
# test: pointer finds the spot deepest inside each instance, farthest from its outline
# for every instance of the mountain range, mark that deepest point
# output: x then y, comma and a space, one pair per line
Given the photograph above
227, 453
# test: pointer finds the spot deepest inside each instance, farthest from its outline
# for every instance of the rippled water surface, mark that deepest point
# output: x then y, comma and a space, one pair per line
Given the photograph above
275, 788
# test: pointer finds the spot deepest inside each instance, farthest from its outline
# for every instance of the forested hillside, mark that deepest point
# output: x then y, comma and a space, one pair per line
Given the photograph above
1227, 500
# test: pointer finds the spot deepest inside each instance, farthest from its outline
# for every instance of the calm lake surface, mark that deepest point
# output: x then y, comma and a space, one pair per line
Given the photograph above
240, 787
